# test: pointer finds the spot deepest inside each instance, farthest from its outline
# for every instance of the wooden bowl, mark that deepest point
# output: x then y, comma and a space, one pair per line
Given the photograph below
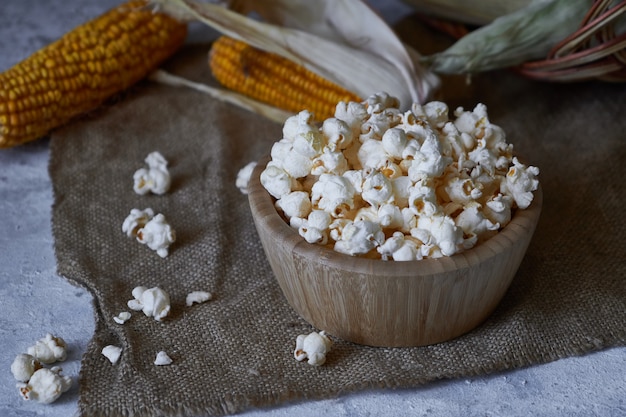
390, 303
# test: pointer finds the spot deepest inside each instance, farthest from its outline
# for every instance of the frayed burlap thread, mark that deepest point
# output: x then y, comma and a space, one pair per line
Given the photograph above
235, 352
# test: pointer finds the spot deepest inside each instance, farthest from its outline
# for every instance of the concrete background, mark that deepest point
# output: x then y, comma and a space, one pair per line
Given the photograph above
34, 300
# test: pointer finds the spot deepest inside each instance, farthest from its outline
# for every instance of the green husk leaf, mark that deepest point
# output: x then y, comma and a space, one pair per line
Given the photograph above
525, 35
476, 12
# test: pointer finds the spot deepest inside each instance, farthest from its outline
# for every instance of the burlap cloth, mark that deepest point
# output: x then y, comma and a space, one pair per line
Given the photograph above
236, 351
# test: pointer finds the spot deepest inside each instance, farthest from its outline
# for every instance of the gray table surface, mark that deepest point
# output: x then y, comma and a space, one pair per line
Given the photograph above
34, 300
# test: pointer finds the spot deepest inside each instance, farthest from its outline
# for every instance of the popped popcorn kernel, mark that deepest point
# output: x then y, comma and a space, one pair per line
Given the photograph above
153, 179
45, 385
377, 181
314, 347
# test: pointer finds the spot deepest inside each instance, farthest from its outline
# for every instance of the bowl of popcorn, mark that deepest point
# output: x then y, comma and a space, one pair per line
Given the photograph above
394, 228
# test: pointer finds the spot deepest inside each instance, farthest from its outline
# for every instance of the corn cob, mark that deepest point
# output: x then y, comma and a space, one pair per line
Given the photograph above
82, 69
274, 80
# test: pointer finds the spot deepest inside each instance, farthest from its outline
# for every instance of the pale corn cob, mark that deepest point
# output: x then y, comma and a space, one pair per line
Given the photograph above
274, 80
81, 70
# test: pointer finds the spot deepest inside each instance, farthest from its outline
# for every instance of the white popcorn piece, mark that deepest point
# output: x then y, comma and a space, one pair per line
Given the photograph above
333, 193
338, 133
443, 232
49, 349
122, 317
377, 189
429, 161
329, 161
154, 302
197, 297
399, 247
498, 209
112, 353
463, 190
244, 175
423, 199
394, 141
298, 124
390, 216
520, 183
158, 235
473, 221
314, 228
162, 359
353, 114
359, 237
136, 220
295, 204
155, 178
372, 155
277, 181
45, 385
24, 366
314, 347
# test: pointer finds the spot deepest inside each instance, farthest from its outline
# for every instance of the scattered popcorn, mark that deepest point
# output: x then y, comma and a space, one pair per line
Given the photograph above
45, 385
154, 302
151, 230
158, 235
24, 366
397, 185
112, 353
313, 347
162, 359
49, 349
243, 177
136, 220
155, 178
122, 317
198, 297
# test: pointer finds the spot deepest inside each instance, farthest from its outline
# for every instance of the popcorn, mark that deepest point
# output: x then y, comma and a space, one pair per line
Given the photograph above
360, 237
314, 228
243, 177
46, 385
151, 230
295, 204
155, 178
24, 366
277, 181
400, 247
158, 235
49, 349
112, 353
122, 317
439, 232
377, 189
136, 220
314, 347
397, 185
333, 193
520, 183
162, 359
154, 302
197, 297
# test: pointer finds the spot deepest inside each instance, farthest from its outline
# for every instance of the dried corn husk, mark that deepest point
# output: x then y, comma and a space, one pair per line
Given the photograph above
345, 42
525, 35
476, 12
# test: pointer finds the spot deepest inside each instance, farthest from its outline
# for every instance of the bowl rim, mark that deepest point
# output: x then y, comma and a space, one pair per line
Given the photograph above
267, 217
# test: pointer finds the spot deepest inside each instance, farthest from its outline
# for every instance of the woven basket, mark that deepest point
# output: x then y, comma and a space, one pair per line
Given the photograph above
594, 51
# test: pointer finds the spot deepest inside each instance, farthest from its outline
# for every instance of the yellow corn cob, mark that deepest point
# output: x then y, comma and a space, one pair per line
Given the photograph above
274, 80
82, 69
